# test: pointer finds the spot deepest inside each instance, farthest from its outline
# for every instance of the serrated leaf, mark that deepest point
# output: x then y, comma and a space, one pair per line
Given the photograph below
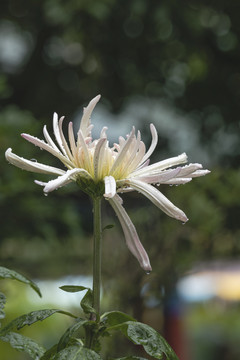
11, 274
76, 353
24, 344
73, 288
70, 332
30, 318
2, 304
87, 301
153, 343
116, 317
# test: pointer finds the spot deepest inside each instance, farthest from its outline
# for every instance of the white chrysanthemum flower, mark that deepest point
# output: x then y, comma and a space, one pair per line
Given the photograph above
101, 170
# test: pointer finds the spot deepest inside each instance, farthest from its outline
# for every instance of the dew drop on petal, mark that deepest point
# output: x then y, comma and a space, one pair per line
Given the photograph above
45, 194
34, 160
147, 272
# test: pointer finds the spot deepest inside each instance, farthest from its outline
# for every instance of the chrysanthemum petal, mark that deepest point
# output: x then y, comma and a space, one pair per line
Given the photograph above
122, 152
158, 199
110, 187
72, 140
159, 178
153, 144
50, 140
82, 145
130, 233
98, 155
67, 151
30, 165
198, 173
86, 121
57, 130
178, 181
162, 165
43, 145
67, 177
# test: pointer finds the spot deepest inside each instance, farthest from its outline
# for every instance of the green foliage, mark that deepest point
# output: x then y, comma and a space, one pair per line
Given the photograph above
11, 274
31, 318
2, 304
73, 288
141, 334
23, 344
70, 332
75, 352
115, 317
87, 302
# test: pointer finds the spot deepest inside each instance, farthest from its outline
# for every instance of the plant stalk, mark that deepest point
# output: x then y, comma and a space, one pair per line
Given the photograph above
97, 254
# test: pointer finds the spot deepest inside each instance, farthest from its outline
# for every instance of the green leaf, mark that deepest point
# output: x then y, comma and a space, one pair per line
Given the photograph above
11, 274
87, 301
49, 354
75, 352
153, 343
116, 317
70, 332
30, 318
110, 226
73, 288
2, 304
24, 344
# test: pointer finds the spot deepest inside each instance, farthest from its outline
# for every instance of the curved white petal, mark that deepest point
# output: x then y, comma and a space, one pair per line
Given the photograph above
50, 140
57, 132
110, 187
161, 165
98, 156
198, 173
160, 178
153, 144
86, 121
43, 145
178, 181
29, 165
122, 152
64, 143
64, 179
130, 233
158, 199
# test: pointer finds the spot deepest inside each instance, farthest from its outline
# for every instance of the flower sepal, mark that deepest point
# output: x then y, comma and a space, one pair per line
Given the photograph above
91, 188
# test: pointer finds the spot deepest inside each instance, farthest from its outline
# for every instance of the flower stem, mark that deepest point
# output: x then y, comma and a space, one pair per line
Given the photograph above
97, 227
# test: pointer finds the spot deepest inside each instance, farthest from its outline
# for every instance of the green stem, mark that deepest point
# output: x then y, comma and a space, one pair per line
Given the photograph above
97, 226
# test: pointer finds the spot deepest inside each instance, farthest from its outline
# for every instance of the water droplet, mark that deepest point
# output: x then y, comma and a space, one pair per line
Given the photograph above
147, 272
45, 194
34, 160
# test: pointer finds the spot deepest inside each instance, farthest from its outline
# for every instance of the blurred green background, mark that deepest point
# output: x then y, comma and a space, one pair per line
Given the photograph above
173, 63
